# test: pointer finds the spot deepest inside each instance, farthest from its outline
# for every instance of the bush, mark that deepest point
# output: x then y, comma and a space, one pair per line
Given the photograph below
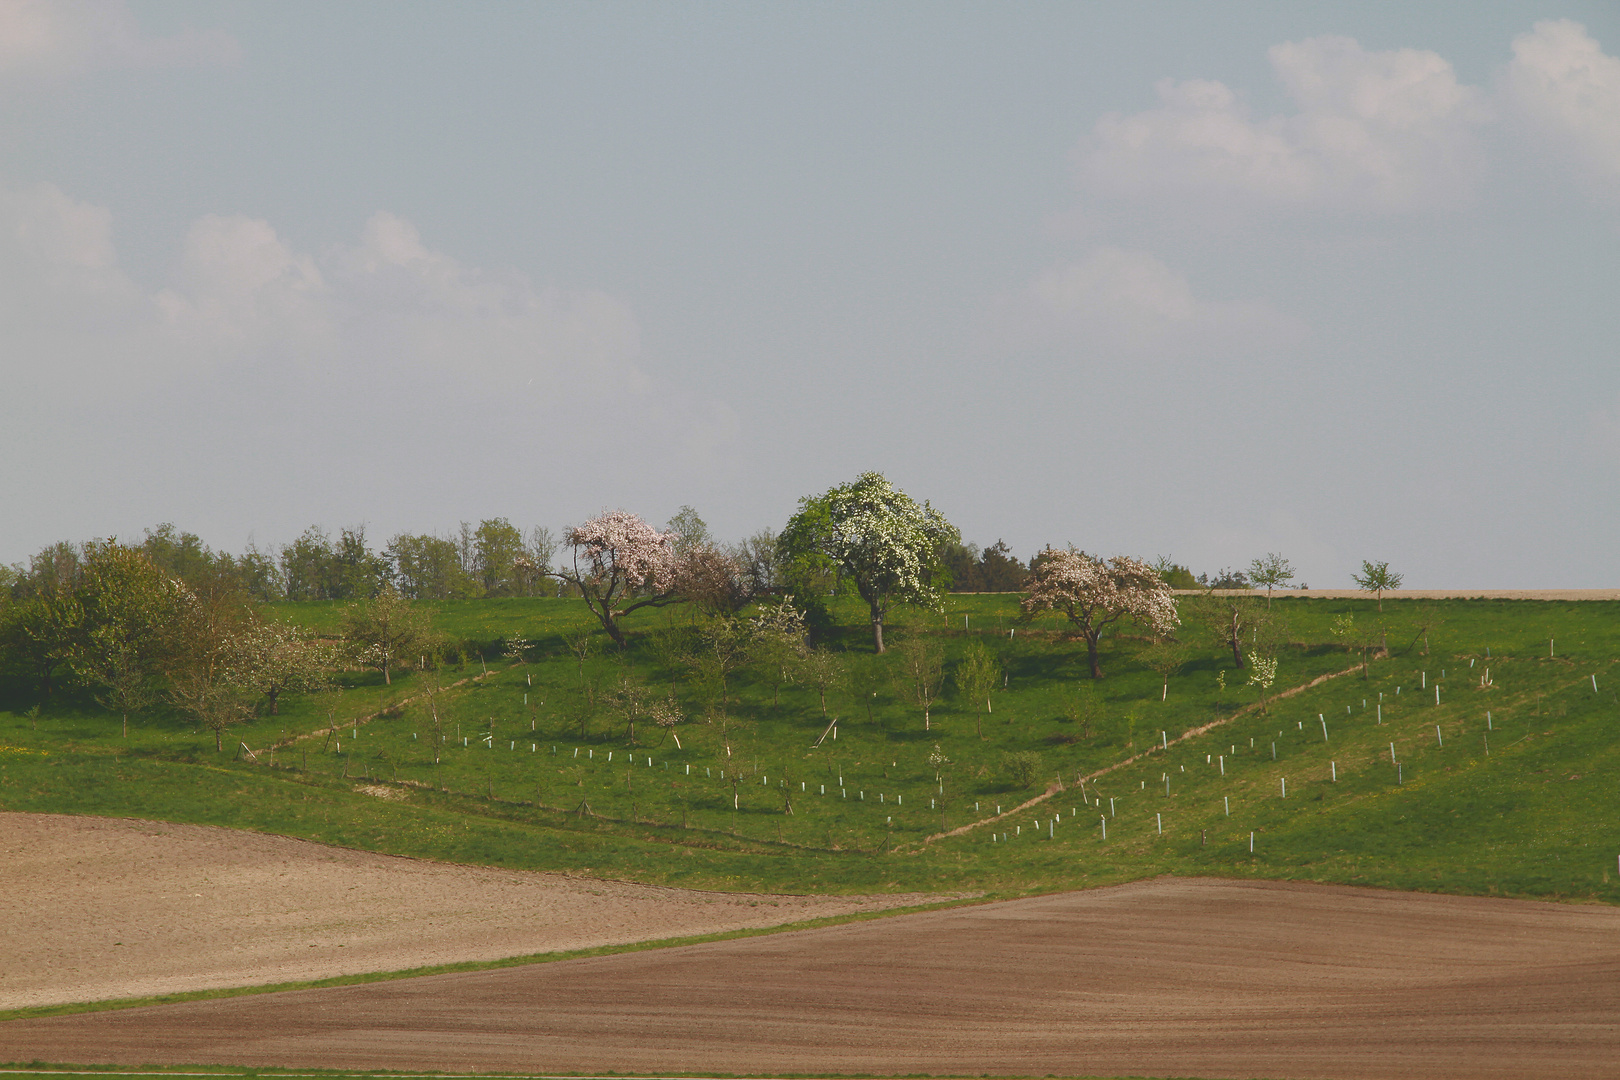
1022, 765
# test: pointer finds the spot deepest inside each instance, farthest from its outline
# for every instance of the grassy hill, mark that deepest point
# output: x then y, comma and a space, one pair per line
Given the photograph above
1506, 787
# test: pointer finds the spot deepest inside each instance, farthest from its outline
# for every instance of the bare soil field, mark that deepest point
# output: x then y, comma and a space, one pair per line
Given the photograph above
93, 909
1170, 977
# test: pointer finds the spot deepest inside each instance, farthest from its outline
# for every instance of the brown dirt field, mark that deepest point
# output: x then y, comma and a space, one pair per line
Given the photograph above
93, 909
1169, 977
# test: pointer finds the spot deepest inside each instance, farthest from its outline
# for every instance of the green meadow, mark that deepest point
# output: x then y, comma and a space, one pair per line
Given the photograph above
1504, 785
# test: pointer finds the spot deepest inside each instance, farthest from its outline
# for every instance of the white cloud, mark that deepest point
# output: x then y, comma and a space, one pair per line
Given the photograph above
243, 287
386, 303
387, 306
57, 261
1564, 88
1127, 300
1382, 131
49, 37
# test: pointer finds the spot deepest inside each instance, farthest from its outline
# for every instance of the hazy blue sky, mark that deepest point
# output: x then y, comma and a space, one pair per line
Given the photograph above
1206, 280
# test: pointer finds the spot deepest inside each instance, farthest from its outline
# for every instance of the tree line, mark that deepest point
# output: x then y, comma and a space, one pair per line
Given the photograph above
170, 620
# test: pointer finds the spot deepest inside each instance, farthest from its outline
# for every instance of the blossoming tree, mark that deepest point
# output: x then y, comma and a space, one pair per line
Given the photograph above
621, 564
877, 536
1094, 594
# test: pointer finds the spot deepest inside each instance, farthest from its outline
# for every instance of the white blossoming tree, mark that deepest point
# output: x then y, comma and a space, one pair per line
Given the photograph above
876, 536
276, 658
1095, 594
621, 564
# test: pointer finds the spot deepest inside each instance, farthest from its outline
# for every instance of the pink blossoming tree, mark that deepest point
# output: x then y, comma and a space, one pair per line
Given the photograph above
621, 564
1094, 594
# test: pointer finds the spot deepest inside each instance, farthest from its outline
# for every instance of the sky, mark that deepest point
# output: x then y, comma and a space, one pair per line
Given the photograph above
1208, 281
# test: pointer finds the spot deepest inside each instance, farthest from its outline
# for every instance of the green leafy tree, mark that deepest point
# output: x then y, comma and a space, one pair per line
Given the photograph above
1271, 572
1166, 657
36, 638
877, 537
921, 674
385, 631
977, 675
1229, 618
1376, 578
823, 670
203, 676
429, 568
778, 642
498, 549
121, 621
1022, 765
1174, 574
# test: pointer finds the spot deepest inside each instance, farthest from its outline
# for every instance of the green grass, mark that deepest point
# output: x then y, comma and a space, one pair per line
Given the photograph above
523, 753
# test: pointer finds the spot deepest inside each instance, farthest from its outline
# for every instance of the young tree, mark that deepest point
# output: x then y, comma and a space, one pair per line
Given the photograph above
1082, 707
386, 631
778, 642
1375, 578
877, 536
1022, 765
532, 566
723, 645
621, 564
1227, 616
977, 675
1094, 594
1166, 656
822, 670
922, 674
1262, 673
1271, 572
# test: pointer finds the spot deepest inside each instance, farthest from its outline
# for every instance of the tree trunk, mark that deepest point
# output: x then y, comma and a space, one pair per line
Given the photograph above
272, 694
877, 626
1091, 653
218, 746
1237, 646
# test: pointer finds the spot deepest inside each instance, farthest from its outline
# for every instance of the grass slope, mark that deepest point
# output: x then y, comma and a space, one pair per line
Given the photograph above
524, 753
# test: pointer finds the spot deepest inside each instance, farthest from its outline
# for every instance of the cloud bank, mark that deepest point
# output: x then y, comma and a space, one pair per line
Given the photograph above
70, 37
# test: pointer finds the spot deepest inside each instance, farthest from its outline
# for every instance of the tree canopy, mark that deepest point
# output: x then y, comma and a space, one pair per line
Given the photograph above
1094, 593
877, 537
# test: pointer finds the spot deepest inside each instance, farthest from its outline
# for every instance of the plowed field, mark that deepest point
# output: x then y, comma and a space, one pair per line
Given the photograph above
1163, 978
